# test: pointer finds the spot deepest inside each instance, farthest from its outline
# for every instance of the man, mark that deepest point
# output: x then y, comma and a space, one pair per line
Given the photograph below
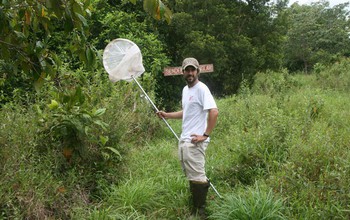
199, 114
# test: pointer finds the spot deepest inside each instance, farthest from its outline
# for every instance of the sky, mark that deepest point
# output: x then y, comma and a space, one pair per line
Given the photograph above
331, 2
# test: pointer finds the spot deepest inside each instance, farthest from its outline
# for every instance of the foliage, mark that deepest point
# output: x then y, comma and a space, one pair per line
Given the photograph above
28, 189
71, 111
117, 23
71, 123
14, 86
316, 34
37, 37
26, 30
273, 83
260, 132
238, 37
335, 77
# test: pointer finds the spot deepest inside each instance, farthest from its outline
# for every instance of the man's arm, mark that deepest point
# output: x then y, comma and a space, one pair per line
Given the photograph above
212, 118
170, 115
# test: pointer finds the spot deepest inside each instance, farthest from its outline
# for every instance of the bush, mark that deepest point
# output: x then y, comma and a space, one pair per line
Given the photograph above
273, 83
335, 77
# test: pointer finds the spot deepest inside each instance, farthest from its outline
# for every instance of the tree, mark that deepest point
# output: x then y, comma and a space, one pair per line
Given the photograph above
37, 36
238, 37
27, 28
317, 34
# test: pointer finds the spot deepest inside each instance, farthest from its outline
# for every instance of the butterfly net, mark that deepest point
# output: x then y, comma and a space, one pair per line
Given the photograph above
122, 59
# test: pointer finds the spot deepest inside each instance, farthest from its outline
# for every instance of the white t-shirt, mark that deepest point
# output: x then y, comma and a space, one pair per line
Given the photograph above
196, 101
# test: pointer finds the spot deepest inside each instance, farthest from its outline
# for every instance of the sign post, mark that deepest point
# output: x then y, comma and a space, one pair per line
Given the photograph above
172, 71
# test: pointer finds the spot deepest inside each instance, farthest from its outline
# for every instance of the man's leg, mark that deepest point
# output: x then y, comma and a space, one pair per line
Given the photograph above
192, 157
199, 192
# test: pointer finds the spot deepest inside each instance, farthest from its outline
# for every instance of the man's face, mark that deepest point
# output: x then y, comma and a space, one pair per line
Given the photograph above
191, 75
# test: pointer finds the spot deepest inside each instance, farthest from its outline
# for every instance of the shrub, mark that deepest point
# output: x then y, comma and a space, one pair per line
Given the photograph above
335, 77
273, 83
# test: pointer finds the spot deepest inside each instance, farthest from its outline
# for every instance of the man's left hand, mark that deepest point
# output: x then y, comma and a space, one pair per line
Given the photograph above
198, 138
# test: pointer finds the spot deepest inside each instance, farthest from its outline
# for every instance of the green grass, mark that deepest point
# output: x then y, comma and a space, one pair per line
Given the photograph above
248, 204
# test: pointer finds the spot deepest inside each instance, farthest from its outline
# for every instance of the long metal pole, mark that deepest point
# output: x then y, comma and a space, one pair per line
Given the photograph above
171, 129
155, 107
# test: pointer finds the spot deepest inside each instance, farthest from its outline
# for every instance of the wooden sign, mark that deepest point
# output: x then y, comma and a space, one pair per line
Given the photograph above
172, 71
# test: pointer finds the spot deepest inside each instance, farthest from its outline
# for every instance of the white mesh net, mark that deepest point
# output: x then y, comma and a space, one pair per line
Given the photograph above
122, 59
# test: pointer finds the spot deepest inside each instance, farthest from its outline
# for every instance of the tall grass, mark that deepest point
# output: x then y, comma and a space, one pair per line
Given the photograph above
248, 204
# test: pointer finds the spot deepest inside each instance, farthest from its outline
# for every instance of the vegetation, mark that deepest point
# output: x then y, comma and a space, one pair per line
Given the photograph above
75, 146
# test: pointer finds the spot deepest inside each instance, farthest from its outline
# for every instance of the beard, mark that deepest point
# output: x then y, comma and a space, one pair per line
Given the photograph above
190, 79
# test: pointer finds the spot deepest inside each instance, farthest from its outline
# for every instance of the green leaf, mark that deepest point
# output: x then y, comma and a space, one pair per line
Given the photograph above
5, 53
68, 23
53, 105
90, 57
157, 10
150, 6
87, 117
39, 45
86, 130
103, 139
82, 19
99, 112
82, 56
168, 15
77, 8
40, 81
88, 12
49, 4
79, 95
57, 61
101, 124
20, 35
55, 5
115, 151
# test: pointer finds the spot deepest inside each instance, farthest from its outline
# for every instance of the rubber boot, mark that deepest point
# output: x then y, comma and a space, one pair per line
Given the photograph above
199, 193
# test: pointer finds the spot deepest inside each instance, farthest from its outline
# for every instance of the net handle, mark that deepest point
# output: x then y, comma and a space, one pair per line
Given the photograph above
155, 107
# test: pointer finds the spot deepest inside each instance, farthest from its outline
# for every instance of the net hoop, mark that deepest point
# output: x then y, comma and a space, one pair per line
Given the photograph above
122, 59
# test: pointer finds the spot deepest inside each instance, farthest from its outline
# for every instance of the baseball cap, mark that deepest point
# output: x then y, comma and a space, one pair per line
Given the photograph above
190, 61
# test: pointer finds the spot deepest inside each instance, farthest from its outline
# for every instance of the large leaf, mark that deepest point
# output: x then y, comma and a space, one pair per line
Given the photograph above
99, 112
157, 10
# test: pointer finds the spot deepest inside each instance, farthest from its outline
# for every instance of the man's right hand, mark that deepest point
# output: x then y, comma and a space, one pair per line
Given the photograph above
161, 114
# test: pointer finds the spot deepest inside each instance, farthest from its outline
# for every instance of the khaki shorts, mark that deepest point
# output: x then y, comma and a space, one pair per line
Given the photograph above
192, 158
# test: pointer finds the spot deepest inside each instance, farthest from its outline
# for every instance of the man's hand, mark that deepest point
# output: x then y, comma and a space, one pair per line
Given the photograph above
169, 115
198, 138
161, 114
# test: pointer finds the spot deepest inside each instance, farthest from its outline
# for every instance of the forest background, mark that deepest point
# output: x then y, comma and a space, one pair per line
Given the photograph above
73, 143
